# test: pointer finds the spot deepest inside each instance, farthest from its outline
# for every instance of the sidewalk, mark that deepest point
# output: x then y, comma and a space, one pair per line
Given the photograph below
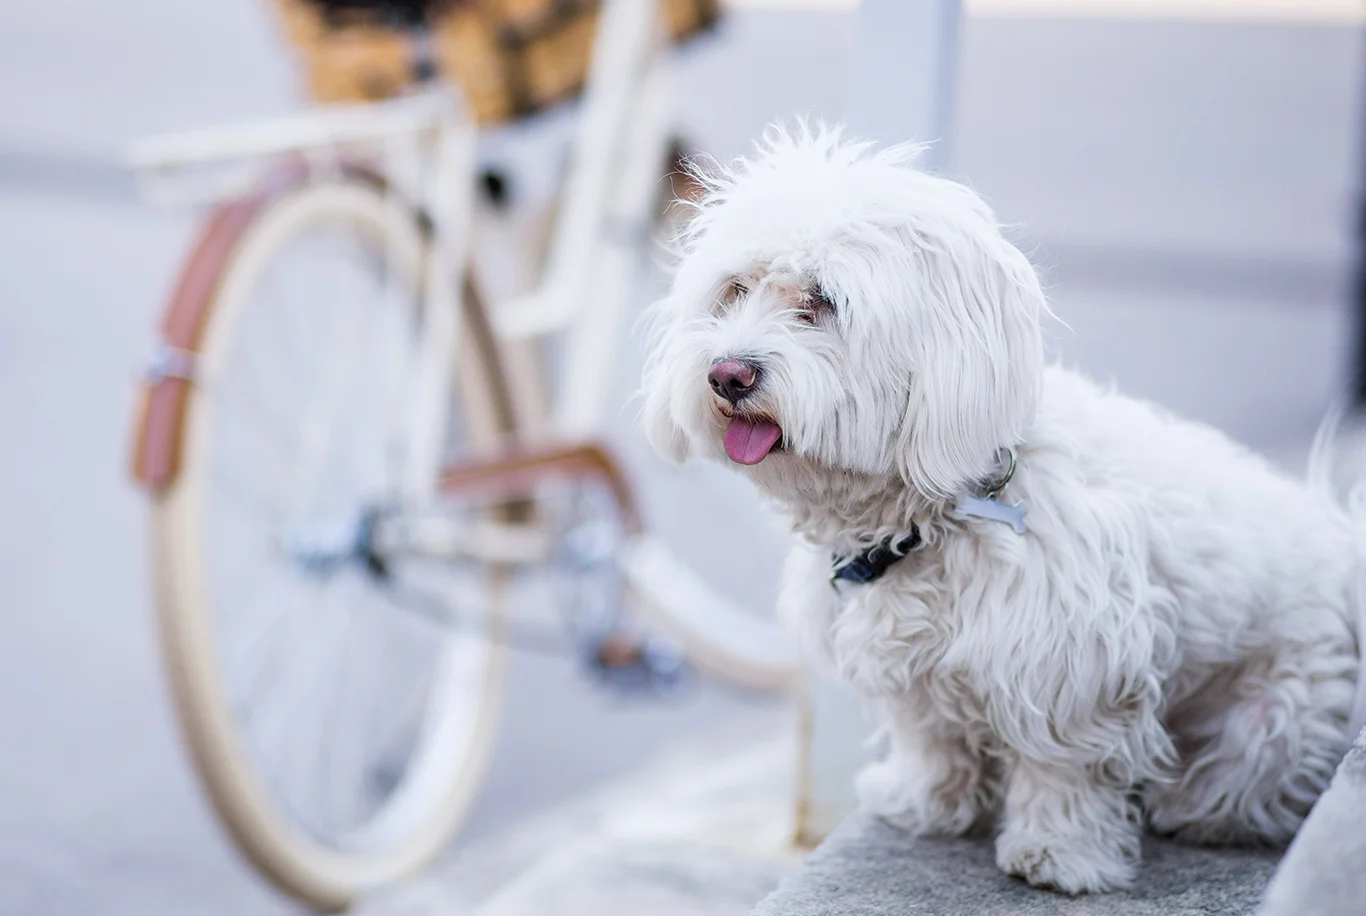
707, 831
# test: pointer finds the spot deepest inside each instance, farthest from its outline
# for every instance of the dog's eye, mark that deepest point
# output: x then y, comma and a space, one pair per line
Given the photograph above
733, 290
815, 305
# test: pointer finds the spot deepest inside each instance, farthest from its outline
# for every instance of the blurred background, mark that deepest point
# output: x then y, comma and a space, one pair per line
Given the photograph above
1186, 174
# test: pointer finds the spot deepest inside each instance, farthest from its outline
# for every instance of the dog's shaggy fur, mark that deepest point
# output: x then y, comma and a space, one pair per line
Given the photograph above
1175, 637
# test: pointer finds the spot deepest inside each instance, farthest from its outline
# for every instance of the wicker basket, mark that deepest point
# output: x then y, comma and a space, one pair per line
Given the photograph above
511, 58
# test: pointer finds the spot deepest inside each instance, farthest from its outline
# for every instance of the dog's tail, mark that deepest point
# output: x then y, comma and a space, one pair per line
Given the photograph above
1328, 480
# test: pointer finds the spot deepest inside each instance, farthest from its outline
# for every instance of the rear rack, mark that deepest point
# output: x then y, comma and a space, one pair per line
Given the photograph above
203, 166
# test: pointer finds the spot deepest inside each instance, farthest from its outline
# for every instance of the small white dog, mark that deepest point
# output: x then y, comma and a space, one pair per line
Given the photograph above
1143, 620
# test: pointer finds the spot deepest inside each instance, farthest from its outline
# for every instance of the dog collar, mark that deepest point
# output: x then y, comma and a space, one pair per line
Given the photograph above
870, 565
874, 562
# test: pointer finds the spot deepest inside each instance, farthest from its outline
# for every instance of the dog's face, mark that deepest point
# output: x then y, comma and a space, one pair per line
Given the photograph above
835, 309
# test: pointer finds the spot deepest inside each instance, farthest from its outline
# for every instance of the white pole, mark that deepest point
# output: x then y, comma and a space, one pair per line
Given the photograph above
905, 73
904, 77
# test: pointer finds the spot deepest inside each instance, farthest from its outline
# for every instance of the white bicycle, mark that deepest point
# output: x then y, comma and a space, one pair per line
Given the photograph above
351, 460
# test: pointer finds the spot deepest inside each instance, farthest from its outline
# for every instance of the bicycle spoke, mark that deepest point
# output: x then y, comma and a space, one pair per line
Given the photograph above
242, 492
322, 789
390, 728
286, 302
260, 652
318, 428
283, 726
346, 748
267, 435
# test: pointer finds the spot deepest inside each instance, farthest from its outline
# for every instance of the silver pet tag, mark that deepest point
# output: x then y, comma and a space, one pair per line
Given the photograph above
992, 509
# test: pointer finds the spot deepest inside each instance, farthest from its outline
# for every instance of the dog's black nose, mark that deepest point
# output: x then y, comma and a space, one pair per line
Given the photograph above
733, 378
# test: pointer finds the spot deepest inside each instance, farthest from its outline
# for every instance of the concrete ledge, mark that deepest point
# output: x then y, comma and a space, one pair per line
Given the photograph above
867, 868
1324, 873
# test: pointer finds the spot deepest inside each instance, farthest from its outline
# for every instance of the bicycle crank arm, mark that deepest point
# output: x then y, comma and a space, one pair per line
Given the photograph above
626, 662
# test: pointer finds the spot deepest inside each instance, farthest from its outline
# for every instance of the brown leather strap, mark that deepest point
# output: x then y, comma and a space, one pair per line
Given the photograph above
158, 429
515, 473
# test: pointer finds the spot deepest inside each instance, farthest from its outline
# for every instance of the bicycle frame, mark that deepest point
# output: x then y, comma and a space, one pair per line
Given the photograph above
426, 147
620, 141
620, 144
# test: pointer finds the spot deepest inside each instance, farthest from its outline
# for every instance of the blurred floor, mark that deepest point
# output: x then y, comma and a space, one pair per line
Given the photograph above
1187, 186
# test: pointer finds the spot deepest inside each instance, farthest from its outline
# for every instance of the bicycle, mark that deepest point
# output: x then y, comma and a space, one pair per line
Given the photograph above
343, 446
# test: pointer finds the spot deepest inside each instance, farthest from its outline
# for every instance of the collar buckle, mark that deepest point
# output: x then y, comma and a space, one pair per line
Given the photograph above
870, 565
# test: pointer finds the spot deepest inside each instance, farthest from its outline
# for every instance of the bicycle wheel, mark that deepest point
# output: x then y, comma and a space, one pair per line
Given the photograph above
340, 737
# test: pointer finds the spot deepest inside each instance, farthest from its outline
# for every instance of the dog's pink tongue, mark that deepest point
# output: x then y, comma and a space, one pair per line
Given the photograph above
748, 442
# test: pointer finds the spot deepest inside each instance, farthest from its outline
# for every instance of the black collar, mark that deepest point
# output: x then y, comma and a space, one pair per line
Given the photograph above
872, 563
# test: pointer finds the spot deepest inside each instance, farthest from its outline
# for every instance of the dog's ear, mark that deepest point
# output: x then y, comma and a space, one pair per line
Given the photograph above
665, 436
978, 356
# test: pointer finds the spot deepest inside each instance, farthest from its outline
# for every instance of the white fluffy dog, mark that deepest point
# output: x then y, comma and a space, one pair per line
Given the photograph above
1172, 631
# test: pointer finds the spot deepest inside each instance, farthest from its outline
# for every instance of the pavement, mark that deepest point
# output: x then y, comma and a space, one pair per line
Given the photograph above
705, 830
1188, 188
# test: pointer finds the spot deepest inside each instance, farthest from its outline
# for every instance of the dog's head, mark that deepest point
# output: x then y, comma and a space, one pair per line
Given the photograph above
835, 308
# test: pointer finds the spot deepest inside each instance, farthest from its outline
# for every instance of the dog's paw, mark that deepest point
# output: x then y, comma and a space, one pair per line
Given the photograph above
1071, 865
1183, 822
887, 790
1197, 811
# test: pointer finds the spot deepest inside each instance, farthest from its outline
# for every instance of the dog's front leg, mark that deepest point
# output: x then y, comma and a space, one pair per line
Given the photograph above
1067, 828
930, 783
